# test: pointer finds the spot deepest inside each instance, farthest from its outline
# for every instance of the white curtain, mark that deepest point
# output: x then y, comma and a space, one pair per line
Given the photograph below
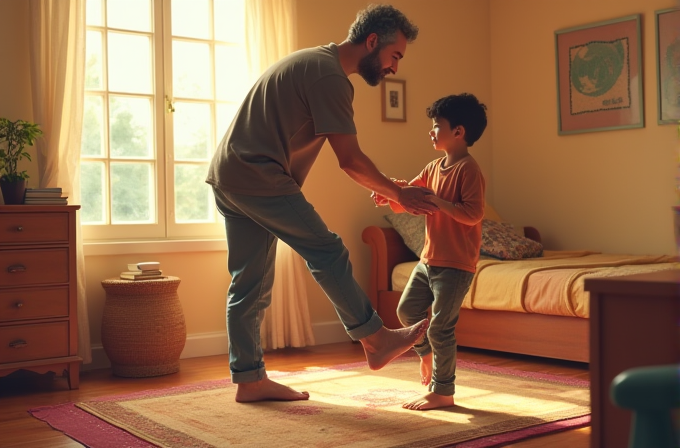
271, 35
57, 51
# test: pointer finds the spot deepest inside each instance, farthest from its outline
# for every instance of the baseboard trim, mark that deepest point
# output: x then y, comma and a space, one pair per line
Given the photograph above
217, 343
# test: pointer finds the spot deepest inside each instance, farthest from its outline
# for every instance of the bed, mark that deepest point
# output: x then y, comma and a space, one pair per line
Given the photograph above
534, 305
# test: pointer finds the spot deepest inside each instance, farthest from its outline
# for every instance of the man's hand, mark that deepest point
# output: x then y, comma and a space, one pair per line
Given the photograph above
417, 200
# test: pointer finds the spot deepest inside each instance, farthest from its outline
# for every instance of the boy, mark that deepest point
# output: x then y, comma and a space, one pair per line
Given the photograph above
452, 242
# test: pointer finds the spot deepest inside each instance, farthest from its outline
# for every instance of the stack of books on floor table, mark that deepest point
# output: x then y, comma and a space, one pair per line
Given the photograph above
147, 270
45, 196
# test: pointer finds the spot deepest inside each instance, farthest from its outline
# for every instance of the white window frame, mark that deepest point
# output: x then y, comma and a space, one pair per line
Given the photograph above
164, 227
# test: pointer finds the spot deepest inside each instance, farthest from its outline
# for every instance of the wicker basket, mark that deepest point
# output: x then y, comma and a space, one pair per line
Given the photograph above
143, 329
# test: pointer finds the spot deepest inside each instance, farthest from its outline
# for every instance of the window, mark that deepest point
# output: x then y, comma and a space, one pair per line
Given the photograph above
163, 81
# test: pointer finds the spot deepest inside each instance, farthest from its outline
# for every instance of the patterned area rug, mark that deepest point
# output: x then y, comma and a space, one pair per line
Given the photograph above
350, 406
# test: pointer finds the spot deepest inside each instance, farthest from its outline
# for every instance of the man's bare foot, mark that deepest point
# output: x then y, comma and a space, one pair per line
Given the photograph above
385, 345
267, 390
426, 369
429, 401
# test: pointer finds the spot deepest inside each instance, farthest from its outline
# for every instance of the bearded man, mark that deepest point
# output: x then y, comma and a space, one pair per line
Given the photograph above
257, 173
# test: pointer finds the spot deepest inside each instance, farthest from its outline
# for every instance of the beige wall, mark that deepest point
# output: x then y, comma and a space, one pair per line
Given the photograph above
606, 191
609, 191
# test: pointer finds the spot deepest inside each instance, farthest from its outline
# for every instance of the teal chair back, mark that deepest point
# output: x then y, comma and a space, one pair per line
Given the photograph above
652, 393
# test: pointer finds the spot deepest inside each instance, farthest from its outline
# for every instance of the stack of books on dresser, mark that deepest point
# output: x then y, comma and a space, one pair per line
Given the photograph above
146, 270
45, 196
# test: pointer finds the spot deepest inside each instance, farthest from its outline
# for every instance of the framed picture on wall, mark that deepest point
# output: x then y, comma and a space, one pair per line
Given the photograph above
668, 65
599, 76
393, 97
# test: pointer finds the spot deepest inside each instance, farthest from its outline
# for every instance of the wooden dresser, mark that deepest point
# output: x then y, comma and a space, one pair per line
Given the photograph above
633, 323
38, 299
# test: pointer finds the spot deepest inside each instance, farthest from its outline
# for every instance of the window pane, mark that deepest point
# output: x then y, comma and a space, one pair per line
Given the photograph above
131, 129
92, 142
191, 18
191, 70
225, 115
132, 193
129, 14
93, 60
194, 200
230, 21
193, 132
231, 74
93, 13
92, 188
130, 63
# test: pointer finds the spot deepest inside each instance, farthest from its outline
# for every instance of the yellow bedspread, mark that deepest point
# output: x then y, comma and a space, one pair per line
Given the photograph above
552, 284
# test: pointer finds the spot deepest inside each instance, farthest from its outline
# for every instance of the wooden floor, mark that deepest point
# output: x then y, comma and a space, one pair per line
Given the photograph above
18, 393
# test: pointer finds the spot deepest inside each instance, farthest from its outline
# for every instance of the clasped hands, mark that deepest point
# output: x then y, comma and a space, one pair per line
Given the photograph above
413, 199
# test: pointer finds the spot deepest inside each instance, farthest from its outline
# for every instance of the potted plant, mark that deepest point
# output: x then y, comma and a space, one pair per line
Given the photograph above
14, 136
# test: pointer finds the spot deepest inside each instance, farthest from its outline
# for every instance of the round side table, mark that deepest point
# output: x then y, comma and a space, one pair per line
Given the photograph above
143, 328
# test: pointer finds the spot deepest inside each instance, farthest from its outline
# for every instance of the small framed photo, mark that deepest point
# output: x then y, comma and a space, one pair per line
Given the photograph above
599, 76
393, 95
668, 65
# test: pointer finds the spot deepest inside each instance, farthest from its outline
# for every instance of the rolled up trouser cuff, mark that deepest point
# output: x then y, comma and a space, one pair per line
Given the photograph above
250, 376
442, 389
374, 324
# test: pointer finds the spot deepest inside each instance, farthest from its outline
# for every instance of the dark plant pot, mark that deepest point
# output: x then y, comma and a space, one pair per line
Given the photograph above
13, 191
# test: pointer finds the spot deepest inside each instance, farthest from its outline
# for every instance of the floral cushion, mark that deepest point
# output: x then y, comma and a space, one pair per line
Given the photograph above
411, 228
499, 240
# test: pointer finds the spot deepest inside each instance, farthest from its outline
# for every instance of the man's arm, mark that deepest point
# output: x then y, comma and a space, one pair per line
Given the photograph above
363, 171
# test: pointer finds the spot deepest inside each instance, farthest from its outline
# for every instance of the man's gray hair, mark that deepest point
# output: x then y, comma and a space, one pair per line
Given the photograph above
385, 21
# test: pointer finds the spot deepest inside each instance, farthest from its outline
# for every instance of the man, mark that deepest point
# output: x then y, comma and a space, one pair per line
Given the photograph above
258, 170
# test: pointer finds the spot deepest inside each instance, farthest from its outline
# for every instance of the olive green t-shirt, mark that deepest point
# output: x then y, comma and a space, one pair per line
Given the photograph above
281, 126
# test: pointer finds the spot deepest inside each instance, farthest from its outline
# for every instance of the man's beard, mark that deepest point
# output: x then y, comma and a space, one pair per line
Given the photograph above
370, 69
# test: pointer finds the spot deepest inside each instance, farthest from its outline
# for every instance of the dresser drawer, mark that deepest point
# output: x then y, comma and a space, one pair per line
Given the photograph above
33, 228
34, 266
25, 304
31, 342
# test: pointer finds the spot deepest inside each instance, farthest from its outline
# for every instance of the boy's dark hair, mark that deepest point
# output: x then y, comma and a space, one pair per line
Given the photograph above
385, 21
461, 110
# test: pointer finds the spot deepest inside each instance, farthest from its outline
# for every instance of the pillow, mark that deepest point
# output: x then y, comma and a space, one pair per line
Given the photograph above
499, 240
411, 228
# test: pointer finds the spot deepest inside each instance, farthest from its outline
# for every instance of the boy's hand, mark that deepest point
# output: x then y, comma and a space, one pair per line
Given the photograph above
417, 200
379, 200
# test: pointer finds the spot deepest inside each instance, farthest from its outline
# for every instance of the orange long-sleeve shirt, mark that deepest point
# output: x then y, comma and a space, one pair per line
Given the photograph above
454, 241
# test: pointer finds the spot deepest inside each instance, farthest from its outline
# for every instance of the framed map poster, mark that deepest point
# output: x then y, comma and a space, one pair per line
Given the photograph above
668, 65
393, 96
599, 76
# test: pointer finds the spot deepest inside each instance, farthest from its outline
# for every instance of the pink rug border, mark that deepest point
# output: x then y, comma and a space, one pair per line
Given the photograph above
96, 433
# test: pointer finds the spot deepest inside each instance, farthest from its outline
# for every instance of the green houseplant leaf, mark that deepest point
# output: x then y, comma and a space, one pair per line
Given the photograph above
14, 137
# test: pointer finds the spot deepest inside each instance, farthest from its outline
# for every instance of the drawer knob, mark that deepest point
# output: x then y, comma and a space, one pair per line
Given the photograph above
16, 268
19, 304
19, 343
20, 228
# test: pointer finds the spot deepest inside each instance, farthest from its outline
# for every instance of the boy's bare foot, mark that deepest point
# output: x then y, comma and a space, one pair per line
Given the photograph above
429, 401
385, 345
426, 369
267, 390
